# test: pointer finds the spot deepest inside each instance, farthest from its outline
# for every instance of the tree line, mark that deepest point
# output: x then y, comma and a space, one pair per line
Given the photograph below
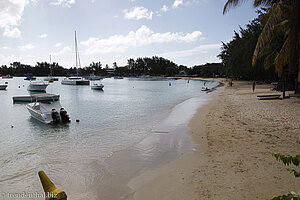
154, 66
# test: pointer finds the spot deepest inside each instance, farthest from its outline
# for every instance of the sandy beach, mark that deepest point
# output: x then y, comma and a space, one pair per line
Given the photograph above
235, 136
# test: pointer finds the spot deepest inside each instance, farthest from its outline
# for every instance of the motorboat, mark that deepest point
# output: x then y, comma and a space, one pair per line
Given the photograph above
3, 87
47, 112
38, 86
8, 76
97, 86
75, 80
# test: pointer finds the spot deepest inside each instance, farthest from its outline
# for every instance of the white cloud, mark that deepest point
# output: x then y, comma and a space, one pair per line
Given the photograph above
193, 51
57, 45
62, 51
138, 13
43, 35
164, 8
26, 47
11, 12
5, 48
198, 55
5, 60
63, 3
141, 37
177, 3
12, 33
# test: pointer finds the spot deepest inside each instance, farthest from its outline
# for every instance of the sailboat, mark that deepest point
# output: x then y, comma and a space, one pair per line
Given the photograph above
50, 78
75, 80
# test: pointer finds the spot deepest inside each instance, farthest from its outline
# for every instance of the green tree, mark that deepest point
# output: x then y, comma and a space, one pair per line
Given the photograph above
282, 19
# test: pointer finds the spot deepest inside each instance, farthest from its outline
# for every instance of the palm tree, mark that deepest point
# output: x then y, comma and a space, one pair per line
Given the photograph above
282, 19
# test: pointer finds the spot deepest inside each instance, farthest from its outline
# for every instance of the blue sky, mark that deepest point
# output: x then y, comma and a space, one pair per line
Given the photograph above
188, 32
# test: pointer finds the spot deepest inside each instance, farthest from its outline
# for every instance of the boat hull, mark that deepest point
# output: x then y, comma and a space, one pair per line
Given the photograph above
38, 116
75, 82
97, 87
43, 111
37, 87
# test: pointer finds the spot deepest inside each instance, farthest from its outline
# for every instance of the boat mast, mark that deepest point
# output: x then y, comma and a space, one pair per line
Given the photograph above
50, 67
76, 56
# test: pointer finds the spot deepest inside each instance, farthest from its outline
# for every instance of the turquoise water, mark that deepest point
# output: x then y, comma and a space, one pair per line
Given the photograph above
120, 116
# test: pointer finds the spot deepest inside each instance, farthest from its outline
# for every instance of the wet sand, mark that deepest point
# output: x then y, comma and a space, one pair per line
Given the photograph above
236, 135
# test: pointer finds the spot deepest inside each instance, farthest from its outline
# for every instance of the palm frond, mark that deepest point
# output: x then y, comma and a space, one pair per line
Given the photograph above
282, 58
275, 17
269, 60
230, 4
265, 2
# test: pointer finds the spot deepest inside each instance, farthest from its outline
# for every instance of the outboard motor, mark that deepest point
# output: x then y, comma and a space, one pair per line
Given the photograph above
64, 116
55, 116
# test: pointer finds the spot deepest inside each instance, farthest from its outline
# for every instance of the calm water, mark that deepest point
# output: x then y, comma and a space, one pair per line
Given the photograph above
124, 113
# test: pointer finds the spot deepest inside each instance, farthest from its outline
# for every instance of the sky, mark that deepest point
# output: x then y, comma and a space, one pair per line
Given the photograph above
187, 32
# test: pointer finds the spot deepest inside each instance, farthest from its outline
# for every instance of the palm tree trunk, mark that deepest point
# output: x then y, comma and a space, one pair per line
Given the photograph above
294, 37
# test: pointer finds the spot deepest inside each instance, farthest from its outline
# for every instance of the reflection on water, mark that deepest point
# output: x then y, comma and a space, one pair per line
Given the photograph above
73, 155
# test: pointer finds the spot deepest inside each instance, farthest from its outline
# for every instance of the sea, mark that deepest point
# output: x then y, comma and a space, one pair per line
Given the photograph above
133, 124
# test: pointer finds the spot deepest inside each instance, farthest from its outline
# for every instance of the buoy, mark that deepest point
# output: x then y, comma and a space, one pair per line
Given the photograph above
51, 191
77, 120
11, 126
169, 83
18, 86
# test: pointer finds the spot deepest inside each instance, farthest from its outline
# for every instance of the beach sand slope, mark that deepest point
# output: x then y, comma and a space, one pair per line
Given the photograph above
235, 136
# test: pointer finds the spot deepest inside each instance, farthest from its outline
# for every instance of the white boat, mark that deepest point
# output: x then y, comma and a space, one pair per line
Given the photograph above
50, 78
38, 86
97, 86
75, 80
3, 87
42, 111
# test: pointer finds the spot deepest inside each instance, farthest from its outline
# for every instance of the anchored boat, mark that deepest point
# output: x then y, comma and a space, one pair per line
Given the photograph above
97, 86
38, 86
75, 80
47, 112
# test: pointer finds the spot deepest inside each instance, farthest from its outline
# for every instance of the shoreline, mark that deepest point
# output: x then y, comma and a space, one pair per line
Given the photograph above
168, 141
236, 135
